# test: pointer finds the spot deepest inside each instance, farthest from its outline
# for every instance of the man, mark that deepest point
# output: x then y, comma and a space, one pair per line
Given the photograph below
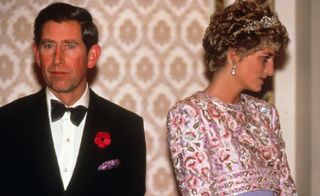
48, 147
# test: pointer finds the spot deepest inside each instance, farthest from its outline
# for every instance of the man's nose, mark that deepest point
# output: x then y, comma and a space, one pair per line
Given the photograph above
58, 55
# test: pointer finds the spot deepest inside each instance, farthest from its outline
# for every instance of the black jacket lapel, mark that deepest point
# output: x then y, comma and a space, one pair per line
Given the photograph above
42, 148
89, 156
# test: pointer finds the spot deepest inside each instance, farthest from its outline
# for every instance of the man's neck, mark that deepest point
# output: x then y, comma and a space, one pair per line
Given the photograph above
69, 98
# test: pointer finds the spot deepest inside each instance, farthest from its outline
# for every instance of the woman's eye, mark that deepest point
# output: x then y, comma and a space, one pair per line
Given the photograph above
265, 59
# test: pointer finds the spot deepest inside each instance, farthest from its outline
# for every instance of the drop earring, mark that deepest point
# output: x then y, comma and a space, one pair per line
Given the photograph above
233, 71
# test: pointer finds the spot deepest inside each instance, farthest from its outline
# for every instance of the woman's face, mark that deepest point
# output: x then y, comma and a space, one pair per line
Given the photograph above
253, 69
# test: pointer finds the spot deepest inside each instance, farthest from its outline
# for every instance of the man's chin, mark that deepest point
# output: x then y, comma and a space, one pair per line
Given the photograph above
60, 89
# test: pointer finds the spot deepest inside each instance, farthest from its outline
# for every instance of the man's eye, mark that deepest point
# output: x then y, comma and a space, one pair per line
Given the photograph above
47, 46
70, 46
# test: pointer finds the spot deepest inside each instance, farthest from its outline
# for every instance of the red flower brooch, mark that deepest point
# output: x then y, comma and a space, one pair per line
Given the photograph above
102, 139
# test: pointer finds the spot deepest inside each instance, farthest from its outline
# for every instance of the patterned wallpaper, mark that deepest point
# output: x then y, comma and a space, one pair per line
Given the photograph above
151, 57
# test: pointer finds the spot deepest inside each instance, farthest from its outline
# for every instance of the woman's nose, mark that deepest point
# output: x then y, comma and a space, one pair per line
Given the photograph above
269, 70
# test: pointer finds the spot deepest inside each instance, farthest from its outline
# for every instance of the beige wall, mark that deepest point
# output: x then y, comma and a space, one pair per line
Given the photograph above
151, 57
315, 98
298, 94
285, 82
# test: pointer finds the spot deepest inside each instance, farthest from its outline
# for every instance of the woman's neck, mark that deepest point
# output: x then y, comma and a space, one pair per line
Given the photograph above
223, 86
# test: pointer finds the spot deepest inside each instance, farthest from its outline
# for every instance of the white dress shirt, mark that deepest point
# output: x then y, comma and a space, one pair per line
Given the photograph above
67, 137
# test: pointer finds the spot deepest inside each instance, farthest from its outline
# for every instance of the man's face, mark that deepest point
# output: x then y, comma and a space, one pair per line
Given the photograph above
63, 57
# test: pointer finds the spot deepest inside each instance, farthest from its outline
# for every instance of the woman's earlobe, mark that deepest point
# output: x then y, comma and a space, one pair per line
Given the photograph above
232, 56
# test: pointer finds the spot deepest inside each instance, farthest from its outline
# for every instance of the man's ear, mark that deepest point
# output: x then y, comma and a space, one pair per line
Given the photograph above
36, 53
93, 55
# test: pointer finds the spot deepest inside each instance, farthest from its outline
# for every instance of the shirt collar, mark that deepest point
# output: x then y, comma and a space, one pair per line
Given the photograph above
84, 99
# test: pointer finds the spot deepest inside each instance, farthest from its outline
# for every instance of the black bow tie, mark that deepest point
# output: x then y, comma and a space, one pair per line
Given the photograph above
58, 109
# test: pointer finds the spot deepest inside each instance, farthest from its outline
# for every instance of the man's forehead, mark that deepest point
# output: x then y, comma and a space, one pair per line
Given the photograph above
61, 31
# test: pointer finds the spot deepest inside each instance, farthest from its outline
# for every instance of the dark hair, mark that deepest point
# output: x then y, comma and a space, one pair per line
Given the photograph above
60, 12
245, 27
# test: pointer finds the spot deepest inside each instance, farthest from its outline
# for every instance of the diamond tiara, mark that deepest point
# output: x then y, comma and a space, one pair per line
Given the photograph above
264, 23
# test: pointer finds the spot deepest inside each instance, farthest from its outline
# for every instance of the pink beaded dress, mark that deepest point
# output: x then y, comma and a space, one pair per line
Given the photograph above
228, 149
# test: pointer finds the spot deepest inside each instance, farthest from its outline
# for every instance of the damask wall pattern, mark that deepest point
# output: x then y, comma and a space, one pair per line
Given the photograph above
151, 57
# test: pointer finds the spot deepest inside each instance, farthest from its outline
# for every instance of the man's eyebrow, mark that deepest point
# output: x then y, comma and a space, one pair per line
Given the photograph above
70, 42
64, 41
43, 41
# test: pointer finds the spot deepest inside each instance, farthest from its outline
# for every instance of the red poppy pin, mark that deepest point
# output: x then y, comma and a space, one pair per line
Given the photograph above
102, 139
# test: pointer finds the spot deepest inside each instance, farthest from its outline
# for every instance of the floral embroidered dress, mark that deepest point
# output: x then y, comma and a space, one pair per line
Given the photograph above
227, 149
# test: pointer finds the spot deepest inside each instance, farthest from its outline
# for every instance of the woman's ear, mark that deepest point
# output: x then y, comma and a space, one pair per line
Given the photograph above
93, 55
232, 56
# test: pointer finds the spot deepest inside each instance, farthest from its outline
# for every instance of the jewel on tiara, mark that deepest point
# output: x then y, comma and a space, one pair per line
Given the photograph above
264, 23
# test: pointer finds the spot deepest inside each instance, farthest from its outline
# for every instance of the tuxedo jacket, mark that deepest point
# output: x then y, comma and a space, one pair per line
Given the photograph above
29, 164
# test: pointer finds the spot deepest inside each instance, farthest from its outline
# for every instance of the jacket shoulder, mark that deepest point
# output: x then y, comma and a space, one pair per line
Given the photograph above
103, 105
22, 104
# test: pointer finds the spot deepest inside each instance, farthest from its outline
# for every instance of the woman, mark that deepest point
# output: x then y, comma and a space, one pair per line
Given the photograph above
222, 141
